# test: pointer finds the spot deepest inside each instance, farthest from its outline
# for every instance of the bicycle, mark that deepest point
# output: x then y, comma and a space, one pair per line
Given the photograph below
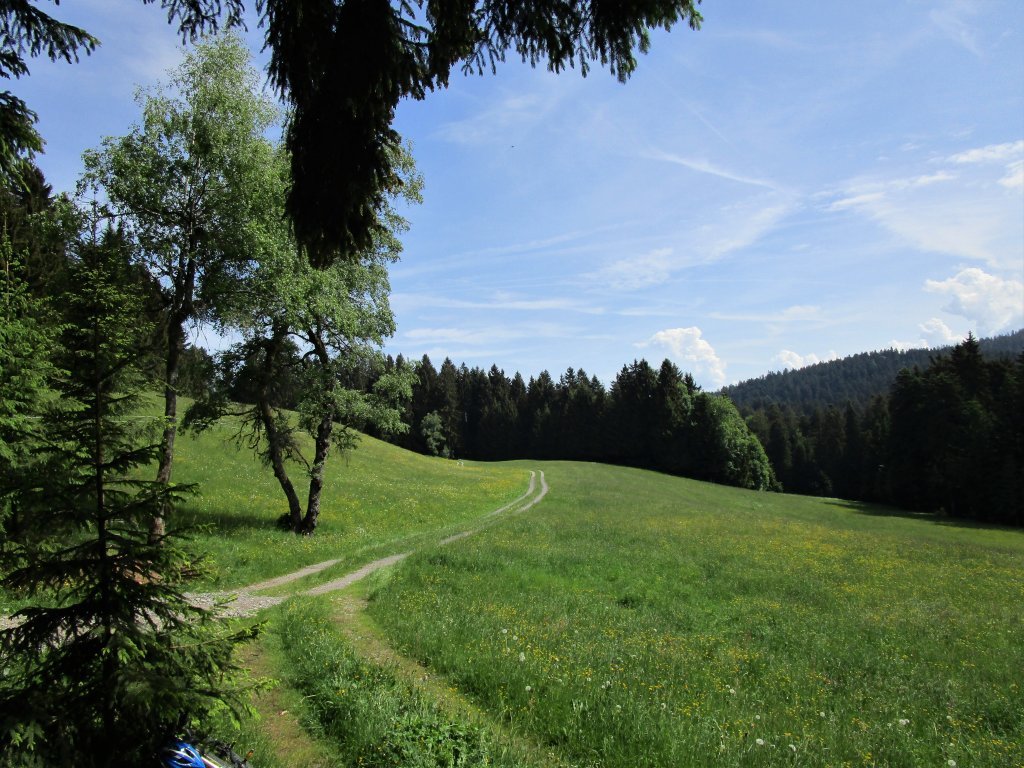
202, 753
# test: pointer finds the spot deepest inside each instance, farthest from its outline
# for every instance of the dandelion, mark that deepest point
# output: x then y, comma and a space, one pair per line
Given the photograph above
522, 656
904, 722
618, 707
664, 705
759, 742
822, 714
732, 691
529, 688
757, 717
504, 631
951, 763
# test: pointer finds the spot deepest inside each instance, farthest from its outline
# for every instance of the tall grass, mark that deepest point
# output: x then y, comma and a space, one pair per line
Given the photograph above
638, 620
365, 712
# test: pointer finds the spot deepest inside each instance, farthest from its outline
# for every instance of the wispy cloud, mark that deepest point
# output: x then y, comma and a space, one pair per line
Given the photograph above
687, 347
636, 272
497, 301
968, 207
704, 166
952, 21
503, 121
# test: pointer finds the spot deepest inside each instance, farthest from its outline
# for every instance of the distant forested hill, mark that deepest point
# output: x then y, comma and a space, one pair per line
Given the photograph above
855, 379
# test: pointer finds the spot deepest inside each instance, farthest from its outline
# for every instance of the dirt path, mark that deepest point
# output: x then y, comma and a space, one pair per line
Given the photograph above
244, 601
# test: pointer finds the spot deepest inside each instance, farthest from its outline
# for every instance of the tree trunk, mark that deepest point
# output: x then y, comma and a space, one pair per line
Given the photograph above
175, 342
275, 440
275, 451
316, 474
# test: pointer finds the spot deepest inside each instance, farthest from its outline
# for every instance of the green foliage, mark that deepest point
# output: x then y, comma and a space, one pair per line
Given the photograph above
635, 619
365, 711
339, 315
190, 186
657, 419
27, 371
108, 657
433, 434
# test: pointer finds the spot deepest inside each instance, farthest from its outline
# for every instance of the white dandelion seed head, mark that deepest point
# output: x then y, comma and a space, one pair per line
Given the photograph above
904, 721
732, 691
757, 717
951, 763
522, 656
759, 742
529, 688
504, 631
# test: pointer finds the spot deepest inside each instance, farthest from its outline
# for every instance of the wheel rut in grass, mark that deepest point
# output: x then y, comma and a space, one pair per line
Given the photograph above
245, 601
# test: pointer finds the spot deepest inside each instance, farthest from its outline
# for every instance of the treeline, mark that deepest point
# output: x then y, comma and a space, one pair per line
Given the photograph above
651, 418
947, 437
856, 379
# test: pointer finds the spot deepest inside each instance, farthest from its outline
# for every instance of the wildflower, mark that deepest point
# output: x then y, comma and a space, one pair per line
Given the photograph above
822, 714
664, 705
904, 722
732, 691
522, 656
759, 742
757, 717
951, 763
529, 688
618, 707
504, 631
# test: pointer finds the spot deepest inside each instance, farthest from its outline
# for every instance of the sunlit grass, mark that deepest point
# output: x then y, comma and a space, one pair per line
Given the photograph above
377, 499
635, 619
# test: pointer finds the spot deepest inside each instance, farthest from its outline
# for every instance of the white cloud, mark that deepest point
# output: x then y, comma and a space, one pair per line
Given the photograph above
633, 273
992, 153
704, 166
793, 360
990, 303
934, 333
1014, 178
970, 209
687, 347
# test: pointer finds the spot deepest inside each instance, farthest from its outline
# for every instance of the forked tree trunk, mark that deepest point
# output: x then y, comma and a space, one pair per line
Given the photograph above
275, 440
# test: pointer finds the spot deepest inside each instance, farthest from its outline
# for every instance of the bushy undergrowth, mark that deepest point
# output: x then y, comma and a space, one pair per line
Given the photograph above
365, 711
639, 620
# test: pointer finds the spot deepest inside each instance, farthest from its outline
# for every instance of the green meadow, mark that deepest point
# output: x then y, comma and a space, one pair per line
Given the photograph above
629, 619
634, 619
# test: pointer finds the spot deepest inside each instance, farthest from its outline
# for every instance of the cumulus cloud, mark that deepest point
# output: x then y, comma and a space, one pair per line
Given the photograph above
934, 333
687, 347
990, 303
793, 360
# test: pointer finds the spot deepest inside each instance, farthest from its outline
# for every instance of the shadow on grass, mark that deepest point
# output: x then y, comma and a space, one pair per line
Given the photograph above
224, 522
936, 518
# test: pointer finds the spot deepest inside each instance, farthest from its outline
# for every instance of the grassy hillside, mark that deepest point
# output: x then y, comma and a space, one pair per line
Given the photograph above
377, 499
635, 619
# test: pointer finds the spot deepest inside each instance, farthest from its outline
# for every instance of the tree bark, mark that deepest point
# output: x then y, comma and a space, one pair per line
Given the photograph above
316, 474
175, 341
275, 440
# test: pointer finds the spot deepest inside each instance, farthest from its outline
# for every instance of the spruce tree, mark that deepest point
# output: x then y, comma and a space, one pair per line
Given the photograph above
108, 657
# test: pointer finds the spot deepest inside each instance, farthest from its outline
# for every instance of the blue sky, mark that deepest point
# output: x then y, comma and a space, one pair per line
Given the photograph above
796, 181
